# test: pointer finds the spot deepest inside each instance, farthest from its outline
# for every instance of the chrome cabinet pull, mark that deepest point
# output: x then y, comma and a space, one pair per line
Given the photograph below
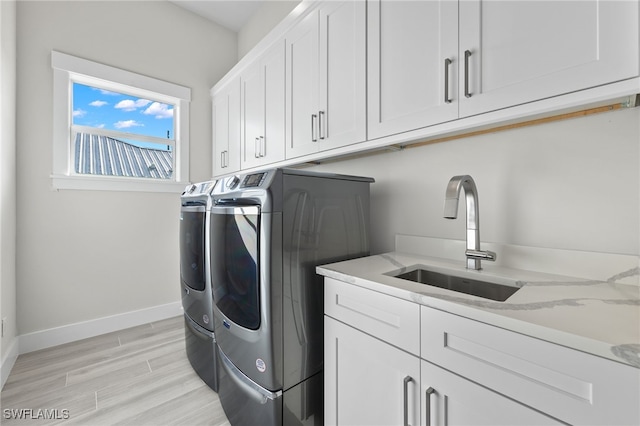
467, 54
314, 118
427, 413
447, 62
256, 147
320, 121
407, 380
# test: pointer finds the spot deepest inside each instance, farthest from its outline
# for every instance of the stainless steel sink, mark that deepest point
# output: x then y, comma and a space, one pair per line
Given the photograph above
484, 289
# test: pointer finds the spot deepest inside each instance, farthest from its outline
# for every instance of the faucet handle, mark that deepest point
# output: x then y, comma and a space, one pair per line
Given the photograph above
480, 254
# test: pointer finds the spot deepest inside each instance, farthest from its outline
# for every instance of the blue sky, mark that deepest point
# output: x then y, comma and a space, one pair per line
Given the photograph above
114, 111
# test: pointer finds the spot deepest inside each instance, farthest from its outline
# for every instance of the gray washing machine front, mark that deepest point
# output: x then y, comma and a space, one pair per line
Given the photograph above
269, 230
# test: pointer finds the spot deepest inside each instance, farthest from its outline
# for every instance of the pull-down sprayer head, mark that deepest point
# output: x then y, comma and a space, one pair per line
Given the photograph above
452, 195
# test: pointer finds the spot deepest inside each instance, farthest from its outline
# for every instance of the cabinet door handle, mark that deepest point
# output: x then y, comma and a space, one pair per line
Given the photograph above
427, 414
256, 147
320, 121
467, 55
447, 62
314, 117
407, 380
263, 147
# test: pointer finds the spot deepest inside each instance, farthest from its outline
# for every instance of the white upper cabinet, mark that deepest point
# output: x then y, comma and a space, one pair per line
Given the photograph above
302, 87
522, 51
263, 109
343, 85
431, 62
226, 129
340, 73
326, 84
412, 65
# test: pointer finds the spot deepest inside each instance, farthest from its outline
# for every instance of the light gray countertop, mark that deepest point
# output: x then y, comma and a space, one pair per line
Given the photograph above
598, 317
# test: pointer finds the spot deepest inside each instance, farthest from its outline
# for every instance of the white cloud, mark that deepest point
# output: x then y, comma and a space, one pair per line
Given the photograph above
159, 110
131, 105
98, 103
108, 93
79, 113
126, 124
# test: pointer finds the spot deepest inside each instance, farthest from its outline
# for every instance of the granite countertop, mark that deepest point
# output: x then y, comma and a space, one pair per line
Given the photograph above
598, 317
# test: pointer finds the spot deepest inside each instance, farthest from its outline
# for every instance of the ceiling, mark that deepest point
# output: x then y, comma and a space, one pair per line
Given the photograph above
232, 14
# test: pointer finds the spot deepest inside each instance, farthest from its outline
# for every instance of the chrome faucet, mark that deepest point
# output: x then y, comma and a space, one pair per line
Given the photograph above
473, 253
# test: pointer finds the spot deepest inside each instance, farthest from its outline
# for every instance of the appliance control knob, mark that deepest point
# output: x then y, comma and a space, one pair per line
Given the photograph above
233, 182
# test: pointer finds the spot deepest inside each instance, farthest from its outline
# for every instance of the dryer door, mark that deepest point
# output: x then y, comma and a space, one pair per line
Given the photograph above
192, 245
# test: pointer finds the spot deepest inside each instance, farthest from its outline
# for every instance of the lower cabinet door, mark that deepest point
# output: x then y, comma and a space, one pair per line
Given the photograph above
449, 399
367, 381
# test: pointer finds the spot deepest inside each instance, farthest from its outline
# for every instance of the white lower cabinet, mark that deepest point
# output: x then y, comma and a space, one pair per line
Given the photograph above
464, 373
448, 399
367, 381
570, 385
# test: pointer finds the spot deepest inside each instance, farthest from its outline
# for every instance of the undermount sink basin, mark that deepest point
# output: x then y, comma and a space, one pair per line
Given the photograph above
484, 289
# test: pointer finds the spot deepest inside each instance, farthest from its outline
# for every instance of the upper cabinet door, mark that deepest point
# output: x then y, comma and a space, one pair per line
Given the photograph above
326, 79
263, 109
226, 129
412, 64
302, 87
342, 93
252, 101
522, 51
273, 144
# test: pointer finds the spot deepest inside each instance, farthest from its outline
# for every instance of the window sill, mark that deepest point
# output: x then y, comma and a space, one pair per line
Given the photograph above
105, 183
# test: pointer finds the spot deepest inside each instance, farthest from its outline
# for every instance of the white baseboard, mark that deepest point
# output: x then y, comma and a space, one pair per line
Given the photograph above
70, 333
8, 361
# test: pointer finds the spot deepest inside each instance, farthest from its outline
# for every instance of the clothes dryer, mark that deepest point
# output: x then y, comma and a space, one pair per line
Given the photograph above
195, 281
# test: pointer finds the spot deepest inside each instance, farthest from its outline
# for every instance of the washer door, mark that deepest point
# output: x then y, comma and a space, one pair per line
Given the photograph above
234, 264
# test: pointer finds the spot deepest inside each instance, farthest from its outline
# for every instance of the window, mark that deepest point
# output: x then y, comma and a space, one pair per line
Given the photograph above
117, 130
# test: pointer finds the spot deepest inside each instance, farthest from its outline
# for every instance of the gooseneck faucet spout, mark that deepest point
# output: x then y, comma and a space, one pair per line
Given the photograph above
473, 253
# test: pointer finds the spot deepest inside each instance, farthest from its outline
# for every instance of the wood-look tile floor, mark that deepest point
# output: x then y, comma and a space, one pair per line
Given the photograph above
137, 376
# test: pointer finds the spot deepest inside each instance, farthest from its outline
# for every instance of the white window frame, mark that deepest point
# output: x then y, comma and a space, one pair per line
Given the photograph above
68, 69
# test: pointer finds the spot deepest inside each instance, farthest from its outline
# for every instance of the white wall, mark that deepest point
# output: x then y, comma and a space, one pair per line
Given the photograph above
7, 177
572, 184
84, 255
270, 13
